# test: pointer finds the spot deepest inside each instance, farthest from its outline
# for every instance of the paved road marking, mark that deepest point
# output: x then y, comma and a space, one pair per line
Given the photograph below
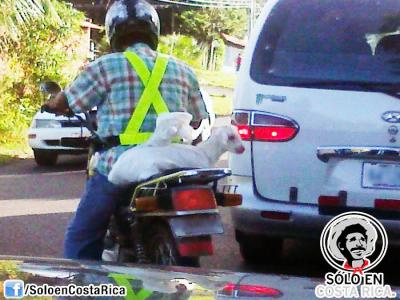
11, 208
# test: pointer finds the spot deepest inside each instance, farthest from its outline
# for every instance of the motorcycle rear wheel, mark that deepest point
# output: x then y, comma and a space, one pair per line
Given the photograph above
161, 249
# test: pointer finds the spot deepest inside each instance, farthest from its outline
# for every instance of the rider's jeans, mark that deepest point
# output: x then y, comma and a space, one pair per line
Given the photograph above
85, 232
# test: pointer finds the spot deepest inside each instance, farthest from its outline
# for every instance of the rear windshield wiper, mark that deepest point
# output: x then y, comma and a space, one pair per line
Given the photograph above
388, 89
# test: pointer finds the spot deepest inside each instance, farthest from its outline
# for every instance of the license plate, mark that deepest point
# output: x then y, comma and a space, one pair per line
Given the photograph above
381, 176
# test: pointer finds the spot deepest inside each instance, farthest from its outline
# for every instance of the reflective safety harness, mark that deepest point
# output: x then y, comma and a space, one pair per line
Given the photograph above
151, 96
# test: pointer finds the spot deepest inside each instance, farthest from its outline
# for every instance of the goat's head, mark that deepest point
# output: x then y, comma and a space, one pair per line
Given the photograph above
229, 139
174, 124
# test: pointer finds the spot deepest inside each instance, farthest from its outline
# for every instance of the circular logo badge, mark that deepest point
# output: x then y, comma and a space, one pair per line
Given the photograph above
354, 242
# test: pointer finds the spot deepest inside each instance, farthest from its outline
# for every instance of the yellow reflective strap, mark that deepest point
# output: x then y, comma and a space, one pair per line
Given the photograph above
151, 96
137, 139
138, 64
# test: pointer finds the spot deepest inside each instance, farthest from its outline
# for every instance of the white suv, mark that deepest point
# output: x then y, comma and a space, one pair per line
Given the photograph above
317, 103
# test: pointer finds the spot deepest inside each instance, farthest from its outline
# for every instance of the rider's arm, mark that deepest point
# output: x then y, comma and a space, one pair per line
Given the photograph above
88, 89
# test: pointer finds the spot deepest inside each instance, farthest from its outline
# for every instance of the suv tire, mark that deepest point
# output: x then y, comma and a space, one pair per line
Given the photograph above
256, 249
45, 157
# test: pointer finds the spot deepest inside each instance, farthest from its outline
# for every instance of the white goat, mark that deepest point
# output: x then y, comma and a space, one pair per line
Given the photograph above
140, 163
169, 125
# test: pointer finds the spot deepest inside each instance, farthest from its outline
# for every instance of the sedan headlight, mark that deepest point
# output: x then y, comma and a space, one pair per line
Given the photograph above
47, 124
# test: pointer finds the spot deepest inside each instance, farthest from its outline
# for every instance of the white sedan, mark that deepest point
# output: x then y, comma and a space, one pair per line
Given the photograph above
51, 135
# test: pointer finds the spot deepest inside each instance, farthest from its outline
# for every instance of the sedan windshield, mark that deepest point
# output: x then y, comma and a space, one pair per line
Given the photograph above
337, 44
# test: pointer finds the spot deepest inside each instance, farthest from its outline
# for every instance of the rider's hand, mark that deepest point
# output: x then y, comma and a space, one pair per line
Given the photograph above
46, 108
58, 106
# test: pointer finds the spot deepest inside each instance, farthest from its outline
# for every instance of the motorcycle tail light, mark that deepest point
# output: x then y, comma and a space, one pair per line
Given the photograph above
146, 204
193, 199
196, 246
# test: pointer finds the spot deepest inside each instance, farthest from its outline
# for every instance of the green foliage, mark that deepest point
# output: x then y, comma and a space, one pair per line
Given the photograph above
182, 47
15, 15
44, 50
206, 24
190, 51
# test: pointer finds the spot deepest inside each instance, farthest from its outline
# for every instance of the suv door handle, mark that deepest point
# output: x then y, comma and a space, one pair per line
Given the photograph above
361, 152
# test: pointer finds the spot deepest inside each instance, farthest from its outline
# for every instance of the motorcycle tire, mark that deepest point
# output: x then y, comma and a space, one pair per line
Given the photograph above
161, 249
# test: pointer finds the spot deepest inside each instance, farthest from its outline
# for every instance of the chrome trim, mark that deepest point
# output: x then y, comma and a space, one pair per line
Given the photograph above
163, 180
180, 174
361, 152
176, 213
391, 116
253, 113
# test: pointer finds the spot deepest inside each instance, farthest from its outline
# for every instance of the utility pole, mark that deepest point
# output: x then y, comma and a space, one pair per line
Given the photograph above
252, 15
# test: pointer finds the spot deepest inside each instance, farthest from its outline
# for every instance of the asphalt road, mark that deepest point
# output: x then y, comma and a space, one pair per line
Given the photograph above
37, 202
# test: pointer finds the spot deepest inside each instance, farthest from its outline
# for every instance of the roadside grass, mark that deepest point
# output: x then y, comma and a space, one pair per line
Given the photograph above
222, 105
14, 150
216, 78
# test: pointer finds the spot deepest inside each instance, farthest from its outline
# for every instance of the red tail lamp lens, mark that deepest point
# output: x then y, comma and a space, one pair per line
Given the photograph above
389, 204
274, 134
244, 132
275, 215
329, 201
250, 290
196, 247
195, 199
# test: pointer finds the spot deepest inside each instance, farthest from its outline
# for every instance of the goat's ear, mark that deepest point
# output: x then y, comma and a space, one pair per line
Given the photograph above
231, 137
224, 136
173, 130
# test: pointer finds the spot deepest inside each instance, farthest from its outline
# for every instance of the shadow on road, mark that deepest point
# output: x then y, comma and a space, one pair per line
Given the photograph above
38, 235
64, 164
25, 180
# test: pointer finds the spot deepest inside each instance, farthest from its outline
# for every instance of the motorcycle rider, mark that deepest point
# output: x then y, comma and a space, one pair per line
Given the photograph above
130, 87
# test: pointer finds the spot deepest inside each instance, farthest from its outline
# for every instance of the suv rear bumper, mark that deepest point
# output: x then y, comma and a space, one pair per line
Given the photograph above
304, 221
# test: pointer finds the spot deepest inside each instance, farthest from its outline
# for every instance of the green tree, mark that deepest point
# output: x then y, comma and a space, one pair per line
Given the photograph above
183, 47
15, 15
43, 49
207, 24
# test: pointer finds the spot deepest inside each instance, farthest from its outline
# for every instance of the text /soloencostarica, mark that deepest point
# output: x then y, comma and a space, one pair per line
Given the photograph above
73, 290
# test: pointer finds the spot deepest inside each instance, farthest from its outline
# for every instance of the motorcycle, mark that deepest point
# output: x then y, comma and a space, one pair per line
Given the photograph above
168, 219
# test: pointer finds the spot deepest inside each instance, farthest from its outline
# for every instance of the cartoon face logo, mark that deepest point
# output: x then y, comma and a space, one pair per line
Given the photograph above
349, 242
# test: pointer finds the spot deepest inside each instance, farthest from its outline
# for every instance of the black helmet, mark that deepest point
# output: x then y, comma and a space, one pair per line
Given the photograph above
131, 21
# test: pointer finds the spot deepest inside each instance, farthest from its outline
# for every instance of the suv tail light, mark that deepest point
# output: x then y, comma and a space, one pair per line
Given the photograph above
266, 127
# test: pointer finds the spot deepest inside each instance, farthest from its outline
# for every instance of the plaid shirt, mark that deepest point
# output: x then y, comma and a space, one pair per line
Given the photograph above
111, 84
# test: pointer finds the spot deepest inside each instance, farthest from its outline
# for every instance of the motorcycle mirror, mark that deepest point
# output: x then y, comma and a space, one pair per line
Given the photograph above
50, 87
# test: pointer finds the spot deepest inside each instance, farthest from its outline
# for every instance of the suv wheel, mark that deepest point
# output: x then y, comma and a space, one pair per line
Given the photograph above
257, 249
45, 158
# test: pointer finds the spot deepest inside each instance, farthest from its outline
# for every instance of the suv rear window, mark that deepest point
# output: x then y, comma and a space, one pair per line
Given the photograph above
330, 44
